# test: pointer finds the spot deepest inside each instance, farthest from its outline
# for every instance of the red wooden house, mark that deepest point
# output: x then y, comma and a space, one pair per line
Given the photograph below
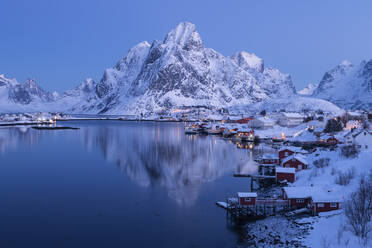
299, 197
247, 198
287, 174
244, 120
324, 203
314, 198
288, 151
296, 161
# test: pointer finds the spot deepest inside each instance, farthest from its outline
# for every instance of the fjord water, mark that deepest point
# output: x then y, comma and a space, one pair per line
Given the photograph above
117, 184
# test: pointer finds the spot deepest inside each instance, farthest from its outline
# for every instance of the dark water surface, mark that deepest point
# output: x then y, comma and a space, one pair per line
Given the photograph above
117, 184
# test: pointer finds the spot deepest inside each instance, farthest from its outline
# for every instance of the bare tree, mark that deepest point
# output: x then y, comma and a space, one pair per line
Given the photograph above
358, 209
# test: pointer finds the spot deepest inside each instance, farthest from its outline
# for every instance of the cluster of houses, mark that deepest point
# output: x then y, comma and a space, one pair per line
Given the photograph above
284, 164
309, 198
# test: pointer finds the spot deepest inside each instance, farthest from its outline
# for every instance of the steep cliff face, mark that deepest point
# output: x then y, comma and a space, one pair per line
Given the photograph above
179, 71
347, 85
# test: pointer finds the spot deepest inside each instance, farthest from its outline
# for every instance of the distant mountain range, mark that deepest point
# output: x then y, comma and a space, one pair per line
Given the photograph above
180, 72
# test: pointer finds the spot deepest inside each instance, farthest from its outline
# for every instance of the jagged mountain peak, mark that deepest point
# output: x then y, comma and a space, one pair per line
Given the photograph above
345, 63
248, 61
347, 85
86, 87
180, 71
184, 35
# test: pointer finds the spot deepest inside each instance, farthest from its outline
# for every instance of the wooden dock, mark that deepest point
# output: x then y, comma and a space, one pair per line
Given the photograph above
262, 208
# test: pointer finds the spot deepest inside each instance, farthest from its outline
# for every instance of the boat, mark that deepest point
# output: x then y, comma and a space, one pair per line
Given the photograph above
190, 130
215, 130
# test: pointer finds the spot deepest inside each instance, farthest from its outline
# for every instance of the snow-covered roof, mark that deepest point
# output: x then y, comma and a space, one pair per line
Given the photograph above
269, 156
301, 192
285, 170
317, 194
266, 121
354, 113
326, 197
304, 137
292, 115
299, 157
247, 194
326, 136
293, 149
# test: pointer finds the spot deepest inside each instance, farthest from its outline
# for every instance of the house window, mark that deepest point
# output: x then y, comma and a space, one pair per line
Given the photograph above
300, 200
300, 167
286, 154
333, 205
366, 146
247, 199
320, 205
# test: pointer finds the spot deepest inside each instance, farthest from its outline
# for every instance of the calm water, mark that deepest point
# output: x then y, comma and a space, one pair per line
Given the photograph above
117, 184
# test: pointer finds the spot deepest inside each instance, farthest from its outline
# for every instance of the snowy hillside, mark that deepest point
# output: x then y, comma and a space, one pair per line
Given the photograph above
347, 85
292, 104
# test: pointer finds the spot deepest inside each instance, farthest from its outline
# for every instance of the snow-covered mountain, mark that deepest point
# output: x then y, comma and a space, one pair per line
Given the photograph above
180, 71
308, 90
25, 96
347, 85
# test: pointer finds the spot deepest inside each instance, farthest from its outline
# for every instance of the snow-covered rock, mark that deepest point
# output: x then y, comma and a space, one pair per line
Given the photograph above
308, 90
347, 85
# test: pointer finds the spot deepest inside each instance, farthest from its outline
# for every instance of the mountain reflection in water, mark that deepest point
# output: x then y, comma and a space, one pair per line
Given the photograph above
152, 154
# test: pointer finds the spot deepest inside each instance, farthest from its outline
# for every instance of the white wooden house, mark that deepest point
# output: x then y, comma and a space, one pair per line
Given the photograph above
262, 123
290, 119
360, 138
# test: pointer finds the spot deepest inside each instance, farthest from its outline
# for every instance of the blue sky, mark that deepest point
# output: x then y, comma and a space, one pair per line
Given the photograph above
60, 43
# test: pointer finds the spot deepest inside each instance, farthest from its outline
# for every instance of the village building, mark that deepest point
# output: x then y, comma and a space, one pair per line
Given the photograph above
298, 197
296, 161
329, 139
315, 198
261, 123
324, 203
361, 138
352, 124
287, 174
290, 119
288, 151
244, 120
269, 158
247, 198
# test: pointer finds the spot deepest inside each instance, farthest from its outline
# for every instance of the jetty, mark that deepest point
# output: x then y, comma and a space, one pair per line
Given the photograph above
248, 205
